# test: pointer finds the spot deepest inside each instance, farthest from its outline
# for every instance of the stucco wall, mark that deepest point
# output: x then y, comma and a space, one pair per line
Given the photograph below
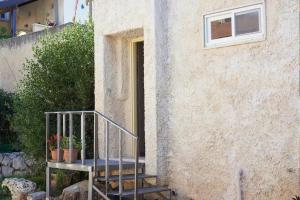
13, 54
234, 116
112, 74
221, 123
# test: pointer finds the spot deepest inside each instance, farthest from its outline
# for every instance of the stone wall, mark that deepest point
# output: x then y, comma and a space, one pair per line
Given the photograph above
14, 164
13, 54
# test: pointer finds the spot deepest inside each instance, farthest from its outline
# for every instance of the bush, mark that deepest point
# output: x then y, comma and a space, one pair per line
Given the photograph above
59, 77
7, 135
4, 34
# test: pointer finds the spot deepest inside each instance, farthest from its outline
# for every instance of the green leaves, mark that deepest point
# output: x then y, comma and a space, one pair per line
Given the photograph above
59, 77
7, 135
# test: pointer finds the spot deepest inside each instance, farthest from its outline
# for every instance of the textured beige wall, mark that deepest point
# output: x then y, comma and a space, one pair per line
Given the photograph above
13, 54
220, 123
235, 109
112, 74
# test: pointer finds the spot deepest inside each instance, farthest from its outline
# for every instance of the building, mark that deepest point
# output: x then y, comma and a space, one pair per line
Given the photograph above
35, 15
210, 87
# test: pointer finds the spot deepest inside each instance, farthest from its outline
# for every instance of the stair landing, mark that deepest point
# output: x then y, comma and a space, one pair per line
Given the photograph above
88, 166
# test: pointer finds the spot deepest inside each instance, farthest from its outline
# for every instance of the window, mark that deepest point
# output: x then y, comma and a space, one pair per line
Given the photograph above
235, 26
4, 16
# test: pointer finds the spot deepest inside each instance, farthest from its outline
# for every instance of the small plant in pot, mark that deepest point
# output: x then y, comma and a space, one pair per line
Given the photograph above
71, 153
56, 154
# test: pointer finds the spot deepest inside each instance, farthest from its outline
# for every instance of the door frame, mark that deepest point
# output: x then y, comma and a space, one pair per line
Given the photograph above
133, 81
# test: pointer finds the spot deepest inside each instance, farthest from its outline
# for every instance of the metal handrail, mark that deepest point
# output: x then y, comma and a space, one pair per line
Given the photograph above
108, 122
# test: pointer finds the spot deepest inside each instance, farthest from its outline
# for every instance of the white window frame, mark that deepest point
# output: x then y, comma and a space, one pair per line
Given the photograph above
234, 39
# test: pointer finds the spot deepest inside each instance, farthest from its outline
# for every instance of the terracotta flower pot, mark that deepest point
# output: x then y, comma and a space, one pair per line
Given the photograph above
54, 155
67, 155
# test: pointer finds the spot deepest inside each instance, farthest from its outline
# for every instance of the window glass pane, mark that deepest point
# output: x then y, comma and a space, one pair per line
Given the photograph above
221, 28
247, 22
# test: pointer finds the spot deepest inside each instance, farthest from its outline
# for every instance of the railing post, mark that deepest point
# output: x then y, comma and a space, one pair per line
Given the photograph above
106, 155
120, 164
47, 135
64, 125
70, 136
82, 138
136, 168
58, 136
95, 143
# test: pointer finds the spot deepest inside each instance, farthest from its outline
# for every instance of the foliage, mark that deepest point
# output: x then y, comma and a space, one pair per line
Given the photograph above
59, 77
75, 143
296, 198
7, 135
4, 33
52, 141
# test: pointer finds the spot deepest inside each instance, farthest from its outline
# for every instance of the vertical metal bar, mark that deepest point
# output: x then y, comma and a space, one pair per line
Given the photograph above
136, 168
14, 21
82, 138
47, 135
120, 164
58, 136
90, 186
95, 143
47, 183
70, 136
106, 155
64, 125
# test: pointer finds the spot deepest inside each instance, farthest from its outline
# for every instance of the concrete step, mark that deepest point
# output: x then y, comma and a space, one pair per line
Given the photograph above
146, 190
125, 177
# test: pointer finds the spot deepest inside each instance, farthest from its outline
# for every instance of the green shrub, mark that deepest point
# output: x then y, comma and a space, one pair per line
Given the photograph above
7, 135
59, 77
4, 34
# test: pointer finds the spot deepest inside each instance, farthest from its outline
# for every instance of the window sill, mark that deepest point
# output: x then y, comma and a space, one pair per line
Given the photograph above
234, 43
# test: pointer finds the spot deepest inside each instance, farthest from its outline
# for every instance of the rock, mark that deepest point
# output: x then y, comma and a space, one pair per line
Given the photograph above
7, 171
37, 196
19, 163
13, 155
78, 191
7, 161
19, 188
29, 162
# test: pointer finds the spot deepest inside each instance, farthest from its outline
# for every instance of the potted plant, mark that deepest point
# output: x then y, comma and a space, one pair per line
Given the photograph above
52, 143
70, 155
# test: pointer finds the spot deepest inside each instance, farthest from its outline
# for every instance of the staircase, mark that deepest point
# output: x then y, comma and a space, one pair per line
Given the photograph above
110, 178
127, 180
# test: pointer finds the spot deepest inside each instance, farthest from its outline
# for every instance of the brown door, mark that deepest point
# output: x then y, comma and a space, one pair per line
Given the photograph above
140, 96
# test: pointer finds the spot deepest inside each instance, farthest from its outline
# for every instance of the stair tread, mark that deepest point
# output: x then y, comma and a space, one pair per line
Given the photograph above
125, 177
144, 190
